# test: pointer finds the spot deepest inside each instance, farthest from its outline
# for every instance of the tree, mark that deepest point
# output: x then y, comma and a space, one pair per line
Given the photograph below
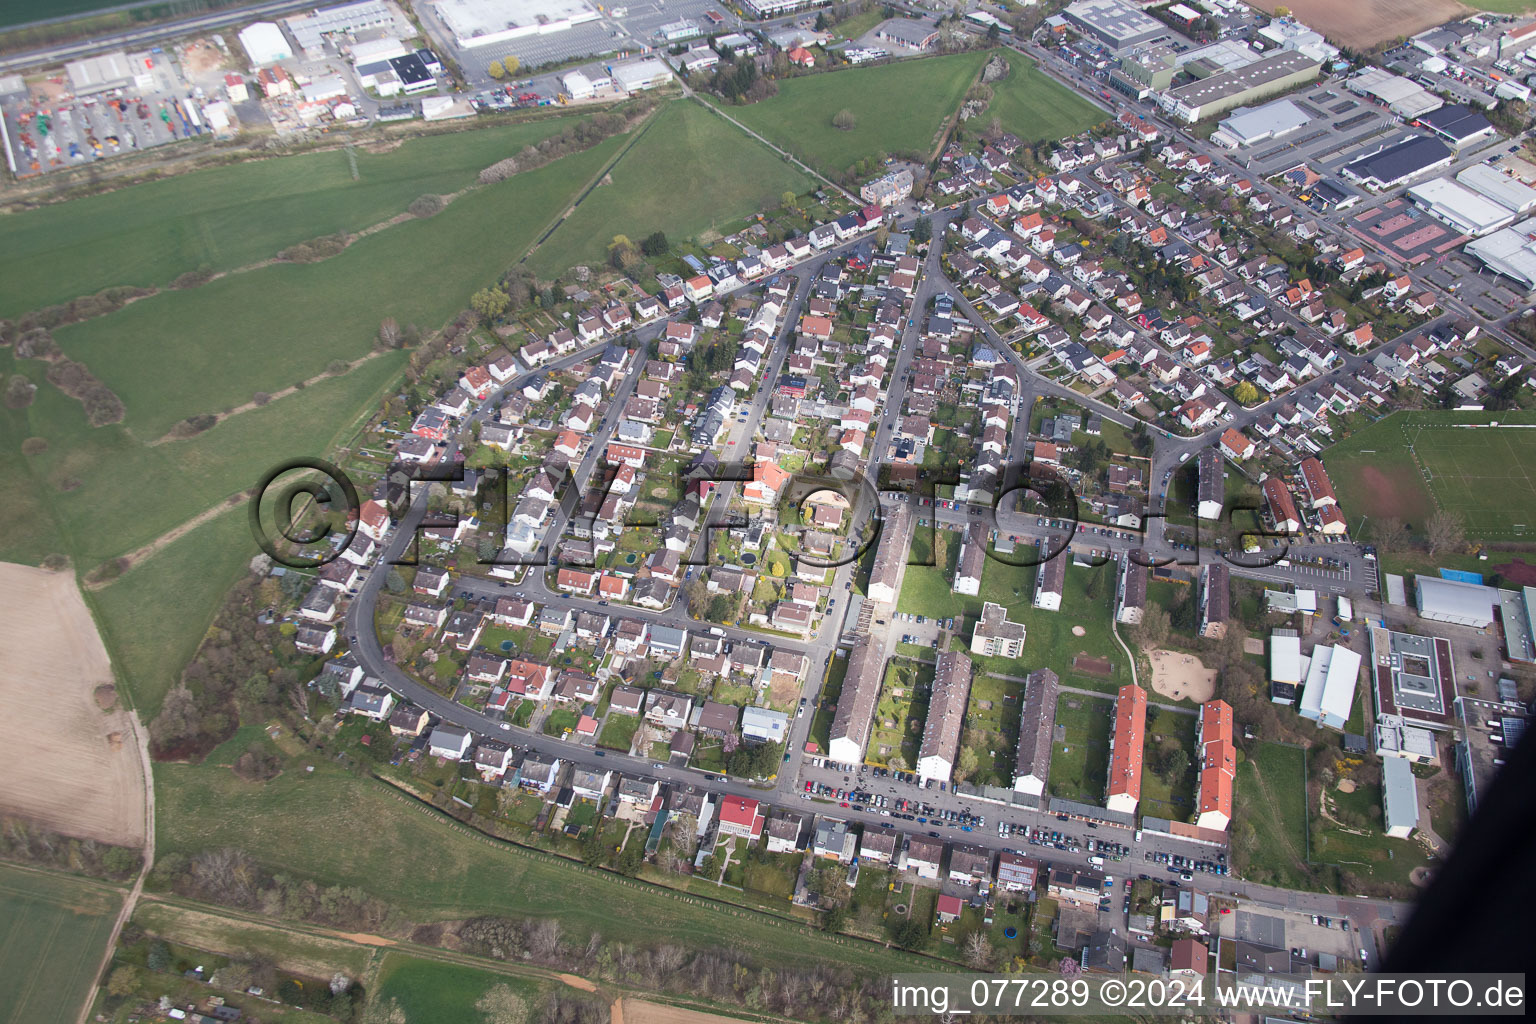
389, 333
511, 64
978, 951
1445, 531
922, 229
497, 70
1389, 535
910, 934
394, 582
788, 199
501, 1005
158, 957
120, 983
896, 763
968, 763
1245, 393
844, 120
1152, 630
18, 392
489, 303
655, 244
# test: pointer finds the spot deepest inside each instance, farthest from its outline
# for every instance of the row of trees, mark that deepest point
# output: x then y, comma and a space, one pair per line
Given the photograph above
1443, 531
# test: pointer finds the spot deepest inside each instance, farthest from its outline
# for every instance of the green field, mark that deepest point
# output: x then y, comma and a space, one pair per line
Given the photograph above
1411, 463
430, 990
899, 108
690, 174
1080, 762
901, 712
1169, 794
227, 217
336, 828
1272, 798
181, 353
1036, 107
929, 589
53, 931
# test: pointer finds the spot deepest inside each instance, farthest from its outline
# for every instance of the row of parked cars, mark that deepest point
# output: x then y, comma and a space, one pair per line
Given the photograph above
1186, 865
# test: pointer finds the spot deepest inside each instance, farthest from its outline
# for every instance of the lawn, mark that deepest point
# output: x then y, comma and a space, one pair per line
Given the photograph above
898, 108
901, 711
336, 828
1272, 797
1080, 760
618, 732
1411, 463
1036, 107
690, 174
444, 992
180, 353
927, 587
1087, 602
992, 728
53, 930
227, 217
1168, 788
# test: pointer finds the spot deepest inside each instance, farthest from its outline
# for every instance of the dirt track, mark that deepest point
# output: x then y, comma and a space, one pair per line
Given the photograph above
636, 1011
64, 762
1364, 23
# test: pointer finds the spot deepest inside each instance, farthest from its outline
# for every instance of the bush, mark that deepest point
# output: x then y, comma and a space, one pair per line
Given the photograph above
261, 398
194, 425
316, 249
36, 343
428, 205
102, 406
34, 446
193, 279
19, 392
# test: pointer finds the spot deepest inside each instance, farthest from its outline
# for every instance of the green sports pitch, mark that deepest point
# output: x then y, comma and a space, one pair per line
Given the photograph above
1481, 465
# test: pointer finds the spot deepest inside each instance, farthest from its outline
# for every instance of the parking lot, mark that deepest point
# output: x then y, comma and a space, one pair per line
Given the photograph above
49, 129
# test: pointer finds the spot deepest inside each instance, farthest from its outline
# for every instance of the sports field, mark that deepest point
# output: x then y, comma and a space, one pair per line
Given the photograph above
899, 108
1410, 464
53, 930
227, 217
1035, 107
692, 172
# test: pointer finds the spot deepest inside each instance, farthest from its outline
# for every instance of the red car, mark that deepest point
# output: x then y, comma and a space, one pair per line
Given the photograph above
808, 787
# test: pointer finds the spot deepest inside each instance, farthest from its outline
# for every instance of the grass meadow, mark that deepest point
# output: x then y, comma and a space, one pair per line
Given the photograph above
53, 930
1080, 760
177, 354
898, 108
227, 217
1272, 797
335, 827
1036, 107
690, 174
441, 992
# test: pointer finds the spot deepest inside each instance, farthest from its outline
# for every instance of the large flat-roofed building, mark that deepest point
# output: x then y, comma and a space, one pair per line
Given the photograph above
1460, 208
1396, 738
946, 717
1400, 798
1123, 791
1116, 24
1405, 98
856, 704
1328, 696
311, 30
1393, 165
1511, 193
995, 636
1511, 252
1037, 723
1248, 126
264, 43
1489, 731
1221, 92
1413, 678
1286, 669
1464, 604
483, 22
1518, 39
641, 75
102, 73
774, 8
